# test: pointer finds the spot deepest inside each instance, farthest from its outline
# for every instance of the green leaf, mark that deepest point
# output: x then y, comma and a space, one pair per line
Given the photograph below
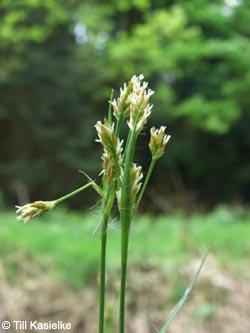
185, 296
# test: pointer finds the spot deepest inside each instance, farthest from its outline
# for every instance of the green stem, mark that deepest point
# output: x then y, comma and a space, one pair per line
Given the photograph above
102, 275
71, 194
124, 260
106, 213
118, 124
105, 217
110, 107
125, 218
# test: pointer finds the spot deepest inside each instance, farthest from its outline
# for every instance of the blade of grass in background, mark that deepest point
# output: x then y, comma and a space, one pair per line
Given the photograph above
184, 298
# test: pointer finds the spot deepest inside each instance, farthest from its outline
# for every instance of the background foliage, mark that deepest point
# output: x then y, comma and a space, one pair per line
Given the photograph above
59, 60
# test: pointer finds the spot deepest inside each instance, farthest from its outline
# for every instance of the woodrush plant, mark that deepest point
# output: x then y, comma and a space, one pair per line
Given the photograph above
122, 181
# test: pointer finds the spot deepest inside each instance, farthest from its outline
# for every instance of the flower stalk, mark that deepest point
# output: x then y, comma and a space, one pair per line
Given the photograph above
125, 219
104, 226
31, 210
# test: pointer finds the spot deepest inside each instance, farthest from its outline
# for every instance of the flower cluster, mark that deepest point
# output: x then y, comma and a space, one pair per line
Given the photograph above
118, 167
140, 109
158, 141
134, 103
112, 155
121, 105
30, 210
135, 181
135, 184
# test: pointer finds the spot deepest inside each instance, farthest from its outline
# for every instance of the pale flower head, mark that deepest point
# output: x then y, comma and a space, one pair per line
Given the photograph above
112, 149
106, 134
158, 141
134, 103
135, 184
139, 106
30, 210
135, 179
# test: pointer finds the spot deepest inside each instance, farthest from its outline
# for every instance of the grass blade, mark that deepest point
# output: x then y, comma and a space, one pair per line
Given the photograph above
184, 298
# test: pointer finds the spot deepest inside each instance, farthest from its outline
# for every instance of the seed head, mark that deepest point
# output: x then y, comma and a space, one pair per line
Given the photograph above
30, 210
138, 100
106, 134
112, 155
121, 104
135, 184
135, 181
134, 103
158, 141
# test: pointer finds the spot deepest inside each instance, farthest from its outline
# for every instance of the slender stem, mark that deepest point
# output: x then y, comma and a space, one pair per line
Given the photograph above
124, 260
125, 218
71, 194
110, 107
102, 275
126, 186
105, 217
118, 124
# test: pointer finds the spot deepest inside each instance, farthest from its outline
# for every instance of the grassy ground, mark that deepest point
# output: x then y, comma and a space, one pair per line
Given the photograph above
64, 243
45, 263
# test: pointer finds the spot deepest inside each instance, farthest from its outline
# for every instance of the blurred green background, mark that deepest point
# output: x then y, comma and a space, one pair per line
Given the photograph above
58, 63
